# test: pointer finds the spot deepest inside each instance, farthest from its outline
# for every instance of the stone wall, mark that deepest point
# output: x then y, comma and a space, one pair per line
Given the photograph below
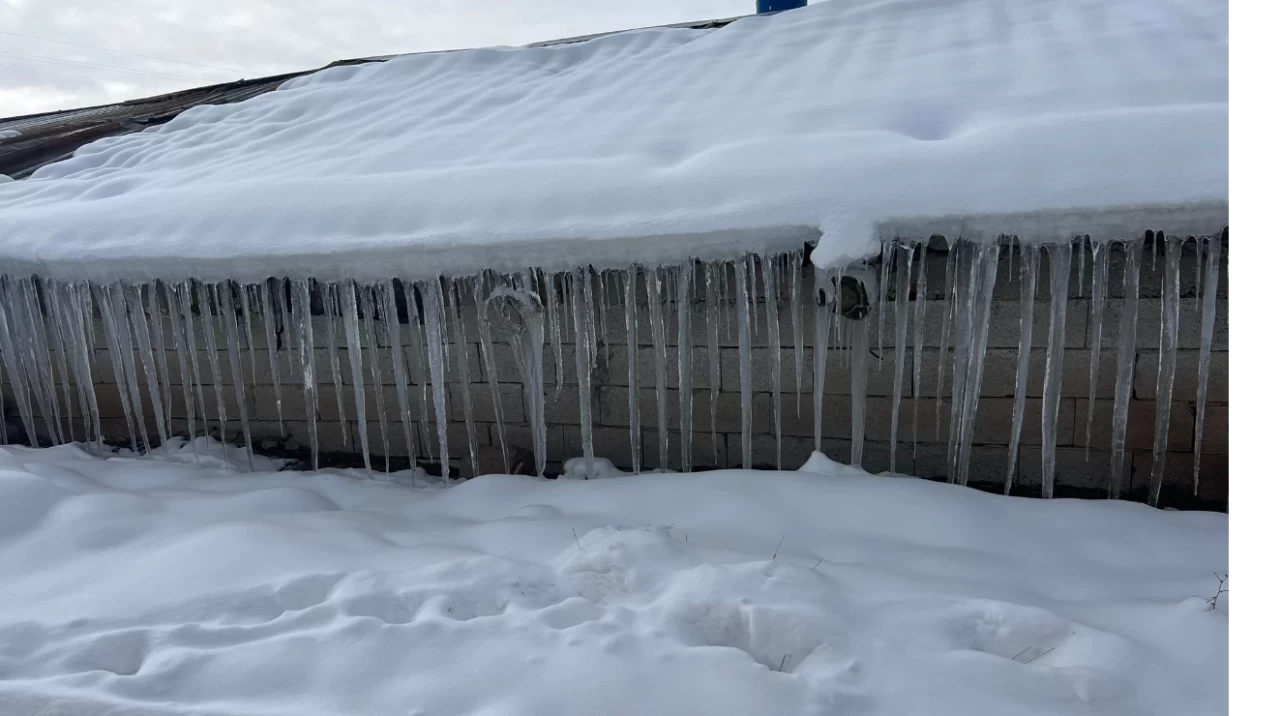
1079, 471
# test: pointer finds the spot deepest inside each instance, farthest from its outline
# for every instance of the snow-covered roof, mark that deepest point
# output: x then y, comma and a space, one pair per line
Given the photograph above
847, 120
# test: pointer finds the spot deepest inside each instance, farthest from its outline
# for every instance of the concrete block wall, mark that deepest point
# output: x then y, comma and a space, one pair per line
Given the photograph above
1082, 459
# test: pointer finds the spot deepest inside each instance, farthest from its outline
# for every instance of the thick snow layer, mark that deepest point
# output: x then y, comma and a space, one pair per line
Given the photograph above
182, 586
850, 118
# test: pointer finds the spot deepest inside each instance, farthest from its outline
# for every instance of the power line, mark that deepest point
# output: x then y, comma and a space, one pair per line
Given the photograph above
74, 63
119, 52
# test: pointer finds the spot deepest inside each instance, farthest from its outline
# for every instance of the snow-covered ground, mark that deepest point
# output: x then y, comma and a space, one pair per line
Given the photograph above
181, 584
850, 120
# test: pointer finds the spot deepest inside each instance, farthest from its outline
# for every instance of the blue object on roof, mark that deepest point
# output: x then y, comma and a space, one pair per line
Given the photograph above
764, 6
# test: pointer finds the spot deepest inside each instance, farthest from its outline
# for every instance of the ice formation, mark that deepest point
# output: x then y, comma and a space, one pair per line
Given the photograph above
515, 194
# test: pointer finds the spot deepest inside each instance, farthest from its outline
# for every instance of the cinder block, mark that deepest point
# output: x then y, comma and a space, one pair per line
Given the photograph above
510, 397
613, 444
617, 371
1140, 434
993, 424
1072, 468
987, 464
1215, 430
1178, 484
519, 436
702, 447
1149, 327
1186, 376
507, 368
614, 410
880, 374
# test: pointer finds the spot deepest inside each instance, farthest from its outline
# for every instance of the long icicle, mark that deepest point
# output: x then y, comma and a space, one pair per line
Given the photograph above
433, 325
551, 287
245, 302
917, 352
905, 254
824, 306
419, 359
965, 281
795, 261
860, 352
578, 284
1169, 309
1030, 254
186, 307
355, 359
775, 351
181, 347
142, 337
371, 320
1124, 363
231, 330
683, 356
658, 325
1059, 285
462, 356
60, 339
269, 297
329, 292
12, 367
985, 268
1097, 307
490, 368
162, 360
307, 360
948, 316
712, 272
391, 319
1208, 314
743, 299
633, 388
204, 305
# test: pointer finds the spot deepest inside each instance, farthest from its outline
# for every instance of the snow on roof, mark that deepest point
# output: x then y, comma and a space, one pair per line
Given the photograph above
847, 120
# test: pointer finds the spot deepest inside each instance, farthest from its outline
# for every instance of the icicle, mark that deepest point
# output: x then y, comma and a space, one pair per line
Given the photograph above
330, 296
965, 280
1059, 284
917, 354
79, 329
552, 291
433, 325
116, 322
1124, 362
633, 394
906, 255
1169, 310
269, 295
521, 311
186, 307
1080, 275
241, 297
1030, 254
743, 302
386, 291
949, 303
588, 310
1199, 263
490, 371
141, 332
683, 287
185, 356
53, 317
886, 259
162, 362
824, 307
9, 354
1097, 307
280, 297
1208, 314
204, 304
355, 359
775, 350
231, 330
985, 264
413, 294
582, 354
600, 288
658, 325
714, 272
453, 298
36, 354
301, 291
795, 262
860, 352
375, 370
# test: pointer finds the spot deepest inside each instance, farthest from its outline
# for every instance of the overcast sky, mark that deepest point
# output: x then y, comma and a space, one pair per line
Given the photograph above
224, 40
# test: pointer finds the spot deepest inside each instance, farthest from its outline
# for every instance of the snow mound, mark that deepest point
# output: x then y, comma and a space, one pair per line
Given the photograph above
848, 120
164, 586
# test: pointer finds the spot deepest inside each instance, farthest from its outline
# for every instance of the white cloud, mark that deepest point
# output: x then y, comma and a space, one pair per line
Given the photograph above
253, 38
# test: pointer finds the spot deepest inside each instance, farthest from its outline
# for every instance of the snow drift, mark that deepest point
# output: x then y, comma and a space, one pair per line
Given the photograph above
181, 585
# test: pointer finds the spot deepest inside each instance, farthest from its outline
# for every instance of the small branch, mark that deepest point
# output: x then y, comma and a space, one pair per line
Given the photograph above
815, 564
1222, 581
775, 551
783, 666
575, 539
1046, 651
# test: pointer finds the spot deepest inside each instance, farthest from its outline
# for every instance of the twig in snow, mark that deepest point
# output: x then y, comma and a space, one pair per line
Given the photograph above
1213, 601
1015, 656
783, 666
775, 551
575, 538
1046, 651
815, 564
